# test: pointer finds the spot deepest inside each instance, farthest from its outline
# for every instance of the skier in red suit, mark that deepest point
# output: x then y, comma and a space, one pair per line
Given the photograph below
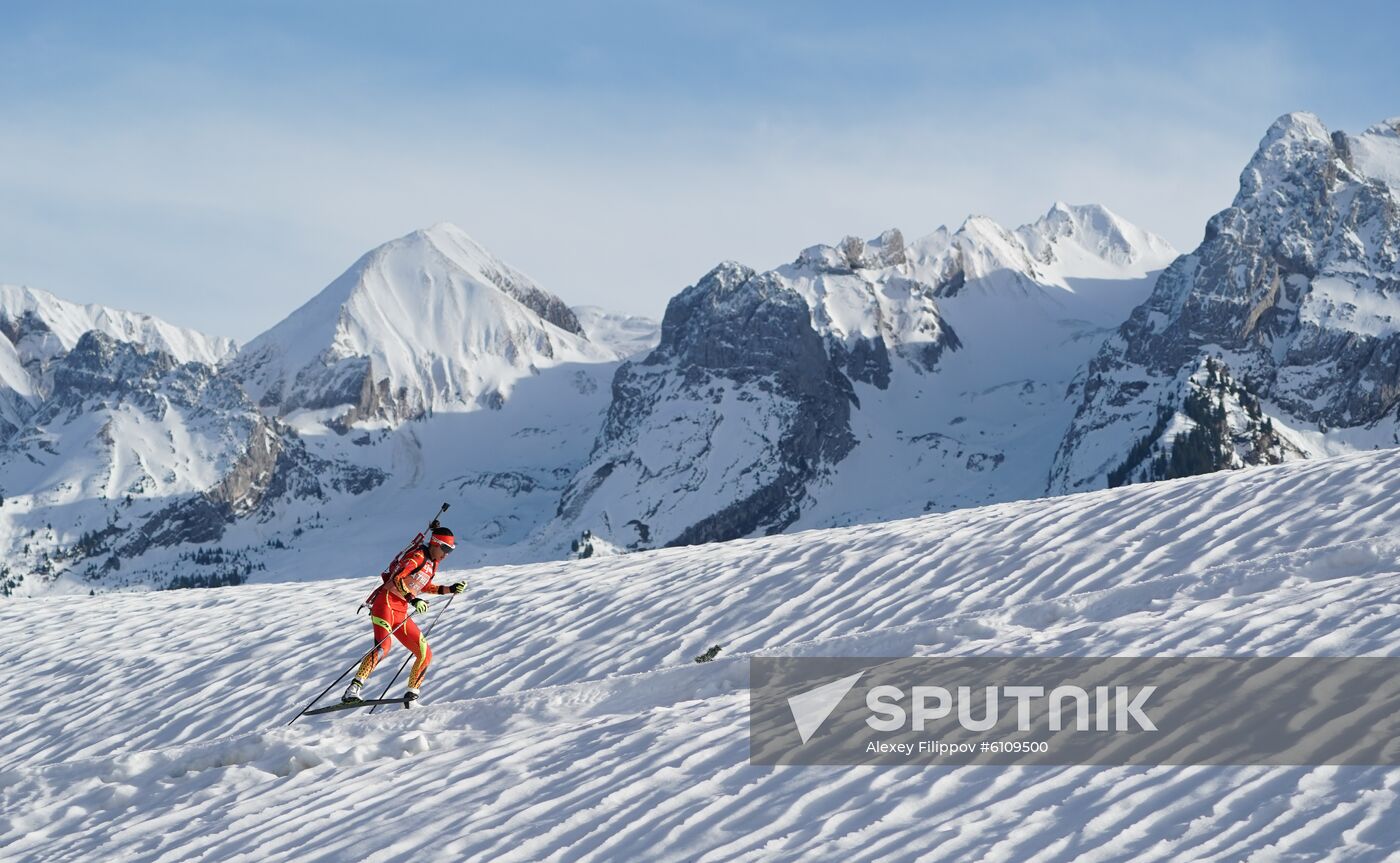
392, 603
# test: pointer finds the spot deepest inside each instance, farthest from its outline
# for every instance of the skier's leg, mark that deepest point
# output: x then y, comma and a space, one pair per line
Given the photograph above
382, 618
413, 639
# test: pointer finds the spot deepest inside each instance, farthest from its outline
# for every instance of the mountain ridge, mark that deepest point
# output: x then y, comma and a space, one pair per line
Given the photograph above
763, 385
864, 380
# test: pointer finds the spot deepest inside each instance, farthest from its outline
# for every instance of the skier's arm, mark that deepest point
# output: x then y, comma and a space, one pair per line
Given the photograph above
411, 563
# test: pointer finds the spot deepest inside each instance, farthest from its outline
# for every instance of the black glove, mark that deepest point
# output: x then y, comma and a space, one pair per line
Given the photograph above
418, 605
459, 586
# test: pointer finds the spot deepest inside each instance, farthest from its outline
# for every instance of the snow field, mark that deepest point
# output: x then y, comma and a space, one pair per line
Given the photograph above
564, 719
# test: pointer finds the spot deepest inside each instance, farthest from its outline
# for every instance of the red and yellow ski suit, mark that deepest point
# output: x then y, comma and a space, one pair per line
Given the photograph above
388, 608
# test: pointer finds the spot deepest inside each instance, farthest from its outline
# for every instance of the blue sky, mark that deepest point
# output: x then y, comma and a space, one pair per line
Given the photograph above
217, 164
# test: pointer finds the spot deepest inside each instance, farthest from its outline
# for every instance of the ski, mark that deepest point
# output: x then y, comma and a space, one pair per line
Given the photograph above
346, 705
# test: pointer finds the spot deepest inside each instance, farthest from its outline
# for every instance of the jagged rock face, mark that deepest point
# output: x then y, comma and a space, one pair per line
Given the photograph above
101, 373
1296, 288
99, 365
537, 300
721, 426
744, 325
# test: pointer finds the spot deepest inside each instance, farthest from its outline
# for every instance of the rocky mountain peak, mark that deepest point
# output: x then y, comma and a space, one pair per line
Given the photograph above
740, 395
886, 250
1295, 160
731, 319
1294, 295
1295, 126
38, 330
100, 363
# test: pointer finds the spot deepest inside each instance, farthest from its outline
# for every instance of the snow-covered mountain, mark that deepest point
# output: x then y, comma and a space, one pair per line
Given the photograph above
37, 329
431, 370
425, 323
866, 380
1277, 338
863, 381
132, 459
105, 417
134, 452
563, 718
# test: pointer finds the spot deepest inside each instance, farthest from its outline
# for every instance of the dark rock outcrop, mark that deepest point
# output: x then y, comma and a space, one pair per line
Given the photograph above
734, 338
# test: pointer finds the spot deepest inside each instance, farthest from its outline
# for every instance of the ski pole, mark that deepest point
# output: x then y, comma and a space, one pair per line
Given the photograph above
431, 623
353, 666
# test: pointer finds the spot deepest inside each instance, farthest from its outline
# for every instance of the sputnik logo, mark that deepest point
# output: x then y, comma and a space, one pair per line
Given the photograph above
811, 708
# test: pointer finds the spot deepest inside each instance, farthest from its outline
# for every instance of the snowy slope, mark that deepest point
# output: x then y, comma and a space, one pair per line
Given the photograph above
428, 322
564, 719
624, 334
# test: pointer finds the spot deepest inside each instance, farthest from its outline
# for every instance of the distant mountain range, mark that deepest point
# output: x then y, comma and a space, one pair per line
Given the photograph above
863, 381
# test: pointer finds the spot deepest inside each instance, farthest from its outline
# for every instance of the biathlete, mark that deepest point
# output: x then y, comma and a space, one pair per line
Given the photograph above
392, 604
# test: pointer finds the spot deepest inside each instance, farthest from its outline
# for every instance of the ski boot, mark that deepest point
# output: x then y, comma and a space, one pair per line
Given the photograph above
409, 697
352, 692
